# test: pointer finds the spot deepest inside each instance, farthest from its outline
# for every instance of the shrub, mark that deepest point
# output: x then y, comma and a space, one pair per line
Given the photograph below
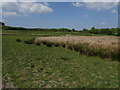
43, 42
56, 44
70, 46
38, 44
62, 45
49, 44
18, 40
29, 41
76, 47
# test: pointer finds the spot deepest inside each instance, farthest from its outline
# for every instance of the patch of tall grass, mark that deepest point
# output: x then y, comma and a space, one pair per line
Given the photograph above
83, 47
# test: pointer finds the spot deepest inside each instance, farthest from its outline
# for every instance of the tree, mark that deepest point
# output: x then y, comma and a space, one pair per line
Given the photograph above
118, 31
73, 30
93, 28
94, 31
1, 23
85, 30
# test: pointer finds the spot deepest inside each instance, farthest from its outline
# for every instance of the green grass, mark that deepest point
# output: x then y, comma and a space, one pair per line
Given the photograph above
48, 33
31, 66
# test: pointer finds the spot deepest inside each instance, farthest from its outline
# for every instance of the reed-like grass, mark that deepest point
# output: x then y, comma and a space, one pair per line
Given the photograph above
105, 47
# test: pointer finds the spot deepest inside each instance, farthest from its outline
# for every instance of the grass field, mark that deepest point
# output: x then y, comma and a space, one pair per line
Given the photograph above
33, 66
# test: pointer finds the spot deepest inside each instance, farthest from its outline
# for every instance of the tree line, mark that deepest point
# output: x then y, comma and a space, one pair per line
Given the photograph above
104, 31
38, 29
93, 30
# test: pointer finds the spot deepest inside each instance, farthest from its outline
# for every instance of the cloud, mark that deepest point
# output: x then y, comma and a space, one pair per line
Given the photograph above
10, 14
26, 8
63, 1
103, 23
114, 11
10, 6
20, 0
77, 4
100, 5
99, 0
40, 8
9, 1
45, 3
96, 5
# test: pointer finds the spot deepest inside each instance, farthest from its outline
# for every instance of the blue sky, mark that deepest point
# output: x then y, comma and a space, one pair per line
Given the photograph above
77, 15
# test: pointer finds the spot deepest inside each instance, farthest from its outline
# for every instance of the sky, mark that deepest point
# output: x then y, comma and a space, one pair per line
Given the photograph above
77, 15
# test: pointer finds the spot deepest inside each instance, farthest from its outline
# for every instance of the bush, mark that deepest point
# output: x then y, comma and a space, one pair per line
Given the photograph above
70, 46
38, 44
18, 40
49, 44
56, 44
118, 31
43, 42
62, 44
29, 41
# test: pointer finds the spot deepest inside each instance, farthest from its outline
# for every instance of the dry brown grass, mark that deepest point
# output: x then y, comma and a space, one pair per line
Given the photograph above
109, 45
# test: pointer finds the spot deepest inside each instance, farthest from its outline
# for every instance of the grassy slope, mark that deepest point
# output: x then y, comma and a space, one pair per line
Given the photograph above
40, 66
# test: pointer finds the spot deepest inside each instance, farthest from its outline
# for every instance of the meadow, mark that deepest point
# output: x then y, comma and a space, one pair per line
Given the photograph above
41, 66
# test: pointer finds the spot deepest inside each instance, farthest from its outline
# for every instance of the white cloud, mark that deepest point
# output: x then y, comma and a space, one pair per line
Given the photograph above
10, 5
61, 0
100, 5
10, 14
114, 11
28, 0
26, 8
45, 3
40, 8
8, 1
77, 4
96, 5
20, 0
99, 0
103, 23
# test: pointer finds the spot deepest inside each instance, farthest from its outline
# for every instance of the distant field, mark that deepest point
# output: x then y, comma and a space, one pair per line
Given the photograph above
46, 33
34, 66
104, 46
